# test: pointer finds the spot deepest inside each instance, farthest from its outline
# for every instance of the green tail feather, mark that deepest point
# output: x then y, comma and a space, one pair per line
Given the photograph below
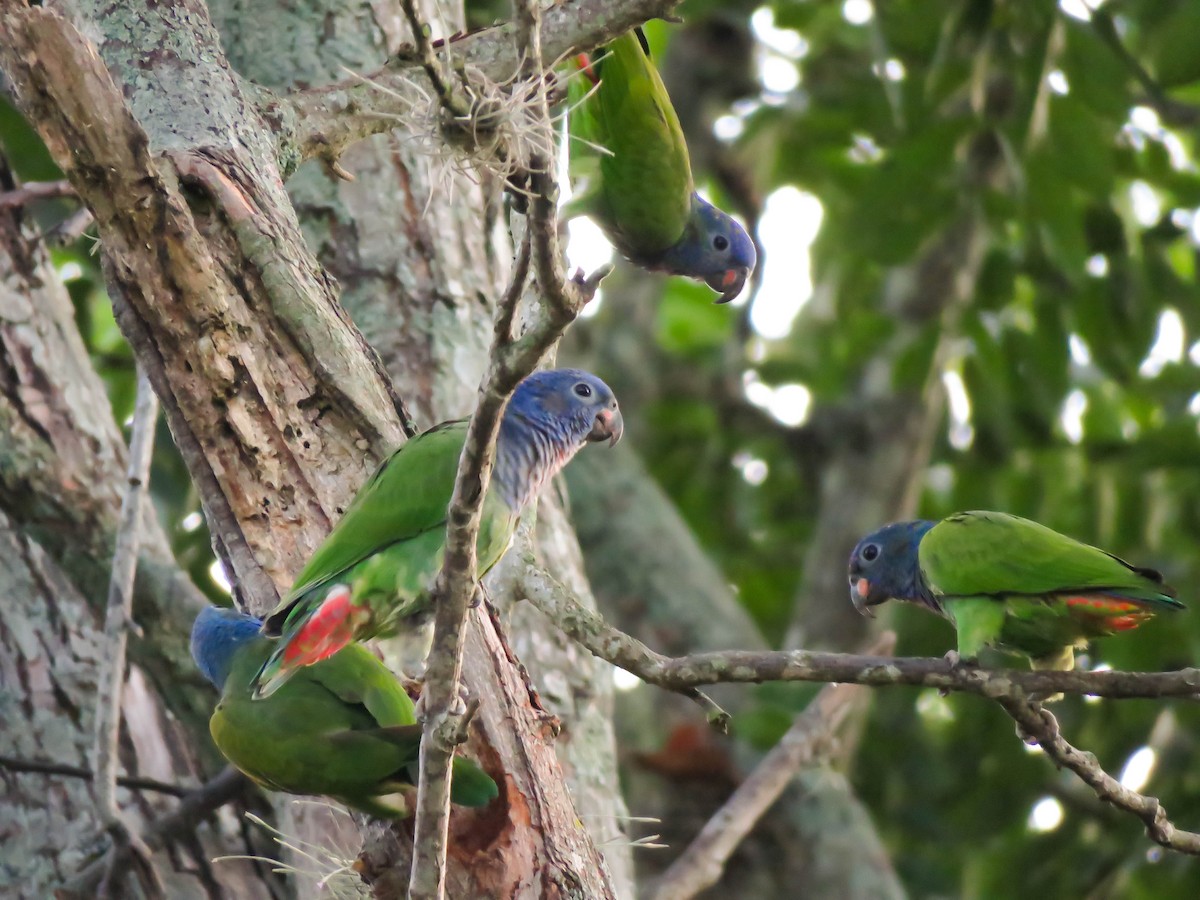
470, 785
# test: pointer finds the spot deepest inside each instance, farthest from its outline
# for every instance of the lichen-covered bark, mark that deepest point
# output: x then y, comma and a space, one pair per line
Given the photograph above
277, 407
411, 243
62, 459
419, 256
51, 649
63, 463
263, 381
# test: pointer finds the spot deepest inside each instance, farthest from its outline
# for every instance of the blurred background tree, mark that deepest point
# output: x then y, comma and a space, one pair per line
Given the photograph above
978, 290
979, 222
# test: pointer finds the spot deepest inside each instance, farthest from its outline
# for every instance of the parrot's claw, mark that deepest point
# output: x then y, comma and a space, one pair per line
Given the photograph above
458, 707
957, 662
1030, 739
480, 596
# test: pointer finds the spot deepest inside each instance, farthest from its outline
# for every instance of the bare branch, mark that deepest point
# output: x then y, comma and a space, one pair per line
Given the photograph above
119, 616
685, 673
36, 190
1041, 726
118, 621
1009, 687
449, 95
43, 767
323, 121
700, 866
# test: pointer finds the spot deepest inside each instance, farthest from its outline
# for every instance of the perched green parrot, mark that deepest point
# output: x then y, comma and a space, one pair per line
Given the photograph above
630, 163
343, 728
374, 571
1007, 582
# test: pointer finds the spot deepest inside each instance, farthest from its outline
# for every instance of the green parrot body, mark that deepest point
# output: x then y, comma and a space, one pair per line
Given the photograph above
630, 159
388, 546
373, 574
1008, 583
342, 728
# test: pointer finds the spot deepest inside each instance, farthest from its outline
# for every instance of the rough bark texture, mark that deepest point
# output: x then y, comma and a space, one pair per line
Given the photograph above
276, 404
59, 485
64, 460
420, 257
51, 648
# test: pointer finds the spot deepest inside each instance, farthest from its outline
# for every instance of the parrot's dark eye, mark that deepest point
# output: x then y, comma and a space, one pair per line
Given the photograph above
870, 553
720, 243
583, 389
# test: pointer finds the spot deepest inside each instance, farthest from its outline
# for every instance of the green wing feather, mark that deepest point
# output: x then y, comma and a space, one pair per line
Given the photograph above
406, 497
389, 544
343, 727
644, 193
1000, 555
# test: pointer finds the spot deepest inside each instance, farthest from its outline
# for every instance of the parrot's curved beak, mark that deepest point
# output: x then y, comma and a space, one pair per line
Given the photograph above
729, 283
862, 596
609, 426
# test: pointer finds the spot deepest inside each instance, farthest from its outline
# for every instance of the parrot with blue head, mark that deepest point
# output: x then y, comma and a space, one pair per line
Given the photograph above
342, 728
1008, 583
630, 162
373, 573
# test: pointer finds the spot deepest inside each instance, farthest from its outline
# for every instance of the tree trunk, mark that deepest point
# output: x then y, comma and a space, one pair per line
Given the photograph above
60, 482
277, 406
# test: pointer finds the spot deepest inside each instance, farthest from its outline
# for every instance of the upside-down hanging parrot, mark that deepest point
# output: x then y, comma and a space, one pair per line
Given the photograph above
375, 569
342, 728
630, 161
1008, 583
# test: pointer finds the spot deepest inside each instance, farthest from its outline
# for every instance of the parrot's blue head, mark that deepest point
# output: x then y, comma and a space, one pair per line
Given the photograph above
714, 247
551, 415
217, 635
885, 565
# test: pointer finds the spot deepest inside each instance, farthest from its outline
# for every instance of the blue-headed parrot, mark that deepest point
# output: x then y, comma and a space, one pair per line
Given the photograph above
374, 571
629, 163
1008, 583
342, 728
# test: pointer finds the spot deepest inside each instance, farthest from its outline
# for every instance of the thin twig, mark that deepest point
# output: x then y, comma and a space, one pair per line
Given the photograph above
43, 767
701, 864
531, 582
449, 94
1041, 726
36, 190
516, 287
70, 228
118, 621
509, 361
1173, 112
